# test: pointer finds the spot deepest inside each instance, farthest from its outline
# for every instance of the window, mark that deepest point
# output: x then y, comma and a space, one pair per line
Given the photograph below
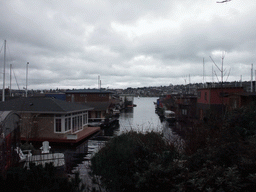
72, 121
58, 125
85, 119
77, 123
67, 123
199, 94
205, 96
184, 111
98, 114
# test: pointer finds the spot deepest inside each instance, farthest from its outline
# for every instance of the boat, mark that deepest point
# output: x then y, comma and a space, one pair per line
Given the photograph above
133, 105
116, 111
169, 116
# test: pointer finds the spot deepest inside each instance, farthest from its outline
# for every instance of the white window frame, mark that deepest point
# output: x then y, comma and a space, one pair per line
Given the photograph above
58, 117
75, 122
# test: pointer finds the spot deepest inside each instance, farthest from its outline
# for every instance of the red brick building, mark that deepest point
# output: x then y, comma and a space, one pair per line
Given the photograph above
88, 95
100, 100
238, 100
214, 100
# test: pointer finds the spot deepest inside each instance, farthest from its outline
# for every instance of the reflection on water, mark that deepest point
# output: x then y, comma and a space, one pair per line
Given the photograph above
170, 136
140, 118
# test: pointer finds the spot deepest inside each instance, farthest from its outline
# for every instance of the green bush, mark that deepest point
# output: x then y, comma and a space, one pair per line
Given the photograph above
129, 161
38, 178
218, 155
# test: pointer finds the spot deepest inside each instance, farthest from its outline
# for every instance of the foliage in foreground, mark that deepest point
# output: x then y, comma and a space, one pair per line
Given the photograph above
38, 178
219, 155
134, 161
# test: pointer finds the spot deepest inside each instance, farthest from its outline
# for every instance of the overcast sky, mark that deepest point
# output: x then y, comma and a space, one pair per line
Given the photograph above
128, 43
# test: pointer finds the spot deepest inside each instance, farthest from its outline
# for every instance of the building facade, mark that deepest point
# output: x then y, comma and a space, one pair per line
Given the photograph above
214, 100
49, 119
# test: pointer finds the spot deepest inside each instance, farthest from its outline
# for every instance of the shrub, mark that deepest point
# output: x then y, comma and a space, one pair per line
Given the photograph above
134, 162
218, 155
38, 178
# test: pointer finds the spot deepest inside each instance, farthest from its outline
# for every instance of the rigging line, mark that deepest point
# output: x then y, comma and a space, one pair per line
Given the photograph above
1, 48
11, 59
228, 74
215, 64
16, 80
216, 76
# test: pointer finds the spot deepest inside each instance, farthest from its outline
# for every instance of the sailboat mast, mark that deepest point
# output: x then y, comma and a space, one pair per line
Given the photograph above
27, 79
3, 91
10, 80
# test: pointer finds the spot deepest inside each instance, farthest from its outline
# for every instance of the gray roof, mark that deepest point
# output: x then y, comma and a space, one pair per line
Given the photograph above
41, 105
84, 91
8, 122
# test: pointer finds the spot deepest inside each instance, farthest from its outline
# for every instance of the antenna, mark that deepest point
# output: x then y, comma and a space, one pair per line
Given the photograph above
220, 69
98, 82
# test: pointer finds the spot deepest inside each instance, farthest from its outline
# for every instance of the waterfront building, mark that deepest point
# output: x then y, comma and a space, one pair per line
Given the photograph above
49, 119
214, 99
100, 100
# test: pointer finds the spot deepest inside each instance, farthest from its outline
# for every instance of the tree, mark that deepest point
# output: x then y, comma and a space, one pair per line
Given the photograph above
39, 178
135, 162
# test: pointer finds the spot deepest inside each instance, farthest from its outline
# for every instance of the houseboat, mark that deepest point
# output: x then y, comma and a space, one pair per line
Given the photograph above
169, 116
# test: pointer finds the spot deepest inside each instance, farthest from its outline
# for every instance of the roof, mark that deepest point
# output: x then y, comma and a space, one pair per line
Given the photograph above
8, 122
86, 91
41, 105
3, 115
220, 88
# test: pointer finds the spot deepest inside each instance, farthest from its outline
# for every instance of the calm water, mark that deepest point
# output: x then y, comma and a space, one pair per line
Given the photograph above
140, 118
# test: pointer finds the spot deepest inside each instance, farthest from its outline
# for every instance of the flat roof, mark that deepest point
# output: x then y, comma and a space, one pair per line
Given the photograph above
88, 91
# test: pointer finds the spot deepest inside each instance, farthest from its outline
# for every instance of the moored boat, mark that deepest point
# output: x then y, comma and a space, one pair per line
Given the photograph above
170, 116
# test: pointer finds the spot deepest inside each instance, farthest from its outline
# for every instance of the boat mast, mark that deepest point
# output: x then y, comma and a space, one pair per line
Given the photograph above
10, 80
27, 79
3, 91
203, 73
252, 78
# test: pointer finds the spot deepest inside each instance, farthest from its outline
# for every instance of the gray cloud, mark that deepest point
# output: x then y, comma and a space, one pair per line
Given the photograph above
128, 43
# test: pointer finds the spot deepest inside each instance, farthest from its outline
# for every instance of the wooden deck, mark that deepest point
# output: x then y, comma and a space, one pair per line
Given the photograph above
73, 137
